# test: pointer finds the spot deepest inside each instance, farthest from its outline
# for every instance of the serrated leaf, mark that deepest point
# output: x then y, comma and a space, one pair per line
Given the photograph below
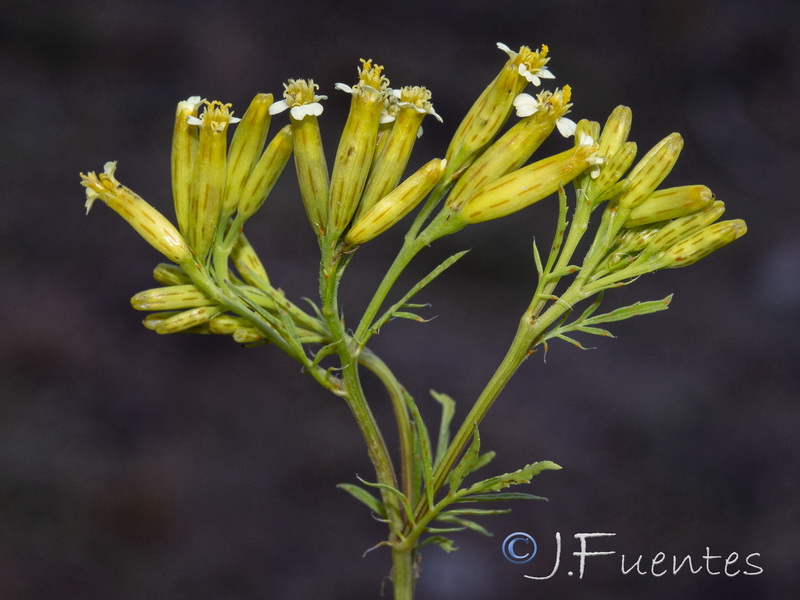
444, 543
448, 411
365, 497
467, 462
523, 475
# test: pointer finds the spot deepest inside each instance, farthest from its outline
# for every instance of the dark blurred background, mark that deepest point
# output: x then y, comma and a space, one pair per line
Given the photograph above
137, 466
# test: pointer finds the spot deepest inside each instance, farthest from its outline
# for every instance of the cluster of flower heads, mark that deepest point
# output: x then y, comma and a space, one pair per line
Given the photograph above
218, 185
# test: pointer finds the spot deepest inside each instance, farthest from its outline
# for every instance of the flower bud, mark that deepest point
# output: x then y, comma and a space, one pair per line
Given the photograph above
154, 227
357, 145
174, 297
266, 172
208, 179
226, 324
245, 149
184, 151
527, 185
397, 204
185, 320
682, 227
169, 274
615, 132
309, 156
651, 170
670, 203
702, 243
615, 167
247, 263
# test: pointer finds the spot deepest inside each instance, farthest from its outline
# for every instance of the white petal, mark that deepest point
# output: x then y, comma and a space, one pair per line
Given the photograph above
419, 132
278, 107
344, 88
526, 105
545, 73
386, 118
566, 127
506, 49
192, 120
234, 120
301, 112
433, 112
586, 140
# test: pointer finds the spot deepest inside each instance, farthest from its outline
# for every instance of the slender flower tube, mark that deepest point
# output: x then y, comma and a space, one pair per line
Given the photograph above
208, 178
615, 131
309, 157
493, 107
184, 151
245, 149
614, 168
194, 317
154, 227
172, 297
528, 185
265, 173
397, 204
670, 203
169, 274
410, 105
651, 170
702, 243
357, 145
515, 147
248, 263
682, 227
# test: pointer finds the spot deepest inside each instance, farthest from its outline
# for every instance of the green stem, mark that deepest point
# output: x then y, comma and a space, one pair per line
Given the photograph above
530, 330
397, 397
330, 274
403, 573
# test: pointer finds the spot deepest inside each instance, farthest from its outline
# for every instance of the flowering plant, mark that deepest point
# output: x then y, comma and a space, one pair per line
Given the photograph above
216, 283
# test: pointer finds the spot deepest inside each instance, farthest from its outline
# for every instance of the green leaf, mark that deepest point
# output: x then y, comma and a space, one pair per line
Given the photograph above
467, 463
398, 494
537, 259
498, 497
634, 310
444, 543
523, 475
364, 496
410, 316
448, 410
423, 440
479, 511
375, 327
465, 523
